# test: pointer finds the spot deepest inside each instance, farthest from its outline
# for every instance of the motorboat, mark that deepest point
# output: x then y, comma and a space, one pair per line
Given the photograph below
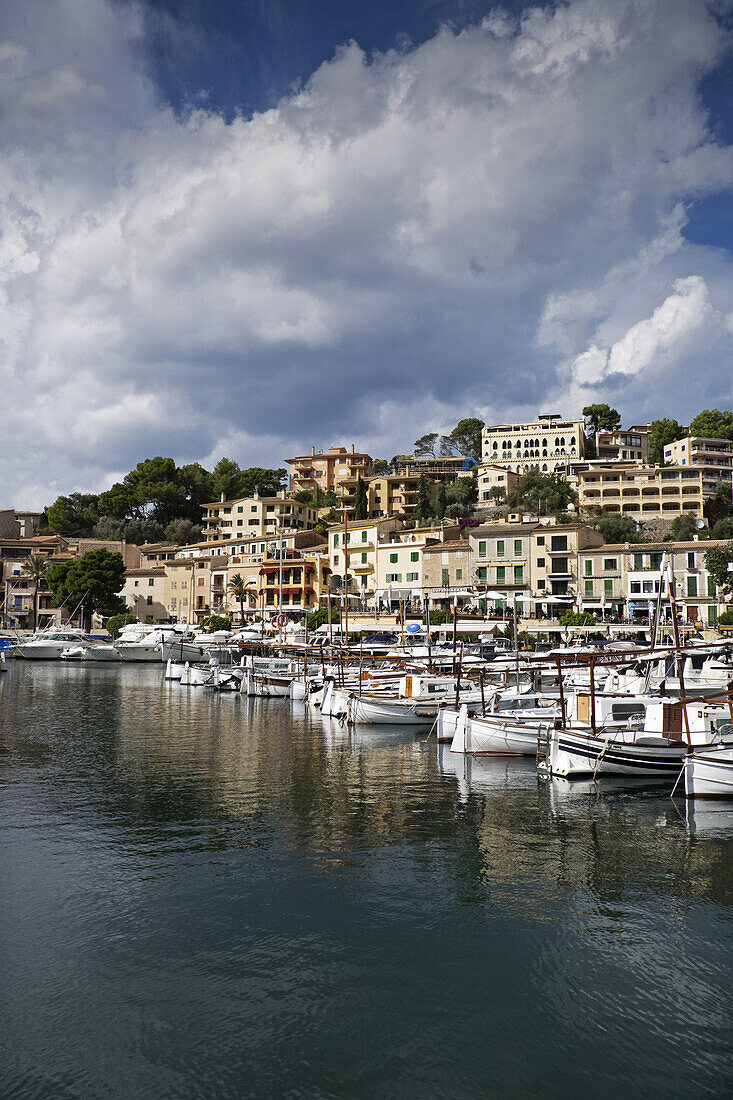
48, 645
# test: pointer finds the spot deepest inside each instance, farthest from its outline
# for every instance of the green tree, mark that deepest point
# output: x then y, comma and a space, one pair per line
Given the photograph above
465, 438
718, 505
723, 529
423, 507
238, 588
212, 623
182, 532
426, 444
661, 433
615, 527
543, 494
34, 569
380, 466
717, 560
576, 618
198, 487
716, 423
601, 418
441, 502
361, 504
94, 580
683, 527
116, 623
110, 529
75, 514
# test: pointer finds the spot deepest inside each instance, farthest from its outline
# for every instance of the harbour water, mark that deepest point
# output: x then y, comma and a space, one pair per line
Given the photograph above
211, 896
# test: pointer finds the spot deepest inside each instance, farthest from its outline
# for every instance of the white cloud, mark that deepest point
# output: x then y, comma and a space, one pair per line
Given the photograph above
406, 240
679, 315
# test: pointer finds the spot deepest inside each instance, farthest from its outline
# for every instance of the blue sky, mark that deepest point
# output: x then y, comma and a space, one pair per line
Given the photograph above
247, 227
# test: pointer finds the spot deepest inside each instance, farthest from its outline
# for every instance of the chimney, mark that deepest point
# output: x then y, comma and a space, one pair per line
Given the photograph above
313, 450
223, 497
352, 448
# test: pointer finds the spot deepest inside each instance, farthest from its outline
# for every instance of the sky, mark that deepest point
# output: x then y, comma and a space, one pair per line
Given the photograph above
245, 227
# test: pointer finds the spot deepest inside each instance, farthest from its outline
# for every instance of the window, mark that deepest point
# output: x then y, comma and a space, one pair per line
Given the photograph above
559, 565
335, 540
499, 548
608, 588
692, 586
151, 582
483, 573
540, 540
414, 555
394, 577
482, 549
500, 573
392, 559
638, 561
588, 568
517, 548
655, 560
413, 576
540, 563
647, 586
609, 564
519, 574
149, 600
136, 584
559, 542
363, 557
240, 508
636, 588
691, 560
364, 536
589, 588
445, 577
712, 589
335, 559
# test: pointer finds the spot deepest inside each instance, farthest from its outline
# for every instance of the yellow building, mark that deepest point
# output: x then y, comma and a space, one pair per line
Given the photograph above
643, 492
146, 594
388, 494
624, 444
255, 515
490, 477
714, 457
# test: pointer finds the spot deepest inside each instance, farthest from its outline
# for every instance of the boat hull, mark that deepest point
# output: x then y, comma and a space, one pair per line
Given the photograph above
709, 774
579, 754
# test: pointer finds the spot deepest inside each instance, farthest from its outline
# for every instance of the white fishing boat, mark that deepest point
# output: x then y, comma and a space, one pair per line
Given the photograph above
511, 729
655, 744
416, 701
708, 772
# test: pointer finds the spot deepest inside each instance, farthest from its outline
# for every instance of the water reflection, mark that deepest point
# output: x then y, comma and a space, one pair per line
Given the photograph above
206, 889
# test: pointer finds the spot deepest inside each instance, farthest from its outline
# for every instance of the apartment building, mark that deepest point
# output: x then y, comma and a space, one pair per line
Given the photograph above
363, 538
388, 494
548, 443
146, 594
399, 560
624, 580
325, 470
644, 492
714, 457
696, 591
624, 444
19, 525
554, 554
602, 586
501, 555
448, 572
17, 592
293, 582
255, 515
490, 477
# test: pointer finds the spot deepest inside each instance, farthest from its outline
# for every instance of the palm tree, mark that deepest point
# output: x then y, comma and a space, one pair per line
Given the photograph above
34, 568
238, 588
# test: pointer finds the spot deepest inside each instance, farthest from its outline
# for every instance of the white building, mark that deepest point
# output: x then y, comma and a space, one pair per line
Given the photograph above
547, 443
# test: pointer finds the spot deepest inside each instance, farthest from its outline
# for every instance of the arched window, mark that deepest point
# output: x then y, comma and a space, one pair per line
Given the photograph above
557, 442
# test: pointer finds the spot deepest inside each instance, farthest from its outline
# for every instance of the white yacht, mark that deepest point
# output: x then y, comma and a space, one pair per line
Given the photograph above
48, 645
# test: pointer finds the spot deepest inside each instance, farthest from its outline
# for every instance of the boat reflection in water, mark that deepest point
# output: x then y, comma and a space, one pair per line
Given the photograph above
710, 819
